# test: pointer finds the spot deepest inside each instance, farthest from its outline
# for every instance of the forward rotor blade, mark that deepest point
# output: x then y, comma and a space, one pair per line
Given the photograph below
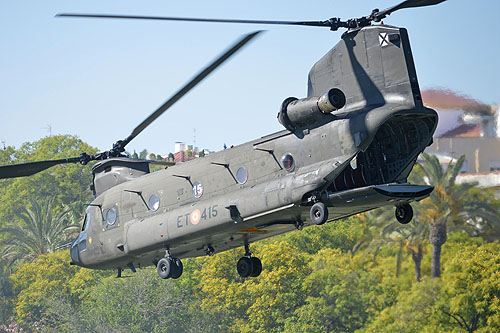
190, 85
30, 168
406, 4
193, 19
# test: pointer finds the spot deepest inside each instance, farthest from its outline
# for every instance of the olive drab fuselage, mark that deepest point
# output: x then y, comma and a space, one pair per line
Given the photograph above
352, 159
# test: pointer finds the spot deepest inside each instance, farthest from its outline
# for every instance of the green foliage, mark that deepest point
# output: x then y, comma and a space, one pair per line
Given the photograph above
261, 304
143, 154
45, 282
345, 276
7, 155
450, 204
343, 234
142, 303
338, 295
43, 231
6, 307
472, 292
413, 310
66, 184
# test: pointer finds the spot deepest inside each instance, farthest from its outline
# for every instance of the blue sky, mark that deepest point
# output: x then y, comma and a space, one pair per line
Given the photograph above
98, 79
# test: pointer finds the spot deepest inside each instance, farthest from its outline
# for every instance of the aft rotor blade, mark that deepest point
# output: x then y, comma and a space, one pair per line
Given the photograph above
194, 19
30, 168
406, 4
190, 85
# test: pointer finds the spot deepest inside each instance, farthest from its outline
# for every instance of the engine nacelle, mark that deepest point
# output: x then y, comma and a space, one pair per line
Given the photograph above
297, 113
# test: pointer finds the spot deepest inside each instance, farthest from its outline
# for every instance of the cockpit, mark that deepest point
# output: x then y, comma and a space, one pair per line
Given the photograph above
80, 243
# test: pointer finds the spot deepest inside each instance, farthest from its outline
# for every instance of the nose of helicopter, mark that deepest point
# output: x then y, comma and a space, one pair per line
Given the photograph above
74, 254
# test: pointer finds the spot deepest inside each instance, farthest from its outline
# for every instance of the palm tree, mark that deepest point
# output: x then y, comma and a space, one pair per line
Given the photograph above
411, 238
449, 204
388, 232
42, 232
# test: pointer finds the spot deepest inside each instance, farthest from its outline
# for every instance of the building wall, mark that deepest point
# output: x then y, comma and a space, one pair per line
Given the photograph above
482, 154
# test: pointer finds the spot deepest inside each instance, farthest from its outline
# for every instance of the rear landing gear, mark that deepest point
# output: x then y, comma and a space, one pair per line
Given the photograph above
404, 213
169, 267
249, 266
318, 213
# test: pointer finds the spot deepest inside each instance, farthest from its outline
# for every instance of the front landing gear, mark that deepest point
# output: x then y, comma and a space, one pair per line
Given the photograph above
169, 267
249, 266
404, 213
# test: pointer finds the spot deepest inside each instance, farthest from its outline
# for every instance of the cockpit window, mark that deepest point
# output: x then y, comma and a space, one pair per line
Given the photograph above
86, 221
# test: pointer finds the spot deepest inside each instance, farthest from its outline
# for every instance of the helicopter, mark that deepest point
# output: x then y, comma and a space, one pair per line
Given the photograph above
346, 148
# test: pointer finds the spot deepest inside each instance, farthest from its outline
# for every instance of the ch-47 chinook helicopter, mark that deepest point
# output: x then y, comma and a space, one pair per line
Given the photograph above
348, 147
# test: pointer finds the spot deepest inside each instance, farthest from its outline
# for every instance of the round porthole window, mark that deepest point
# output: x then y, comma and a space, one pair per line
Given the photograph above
242, 175
288, 162
154, 203
111, 216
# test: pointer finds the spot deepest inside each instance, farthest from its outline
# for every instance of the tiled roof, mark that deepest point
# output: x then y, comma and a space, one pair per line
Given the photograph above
464, 131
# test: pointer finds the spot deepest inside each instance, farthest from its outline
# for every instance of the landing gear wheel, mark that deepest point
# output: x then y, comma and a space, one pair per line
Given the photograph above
164, 268
245, 267
178, 268
318, 213
256, 266
404, 213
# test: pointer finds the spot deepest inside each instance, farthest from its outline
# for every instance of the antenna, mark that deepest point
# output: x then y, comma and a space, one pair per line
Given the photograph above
194, 137
48, 128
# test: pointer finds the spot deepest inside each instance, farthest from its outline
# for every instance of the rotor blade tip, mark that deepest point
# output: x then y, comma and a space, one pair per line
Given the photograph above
255, 33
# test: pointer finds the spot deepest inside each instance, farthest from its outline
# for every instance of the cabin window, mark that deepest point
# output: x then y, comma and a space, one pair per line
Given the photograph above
111, 216
154, 203
288, 162
242, 175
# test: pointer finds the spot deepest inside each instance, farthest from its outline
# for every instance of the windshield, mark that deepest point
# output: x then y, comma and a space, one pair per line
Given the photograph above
86, 220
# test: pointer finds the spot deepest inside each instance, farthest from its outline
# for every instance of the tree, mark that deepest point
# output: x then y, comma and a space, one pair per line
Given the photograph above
410, 237
143, 154
65, 183
471, 294
337, 295
259, 304
385, 231
5, 294
44, 231
7, 155
43, 285
449, 203
413, 311
141, 303
347, 235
